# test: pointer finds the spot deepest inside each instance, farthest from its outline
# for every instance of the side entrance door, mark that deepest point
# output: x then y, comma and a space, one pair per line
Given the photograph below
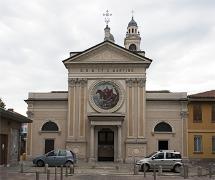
3, 148
163, 145
106, 145
49, 145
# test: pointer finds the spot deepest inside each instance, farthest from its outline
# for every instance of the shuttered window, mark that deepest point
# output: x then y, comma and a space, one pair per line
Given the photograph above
213, 113
213, 144
198, 143
197, 113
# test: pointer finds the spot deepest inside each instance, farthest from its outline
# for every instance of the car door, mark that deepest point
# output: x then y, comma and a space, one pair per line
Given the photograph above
61, 158
51, 158
173, 159
158, 159
170, 160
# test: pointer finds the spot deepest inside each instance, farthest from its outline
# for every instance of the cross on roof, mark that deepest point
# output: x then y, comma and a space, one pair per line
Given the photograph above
132, 12
107, 17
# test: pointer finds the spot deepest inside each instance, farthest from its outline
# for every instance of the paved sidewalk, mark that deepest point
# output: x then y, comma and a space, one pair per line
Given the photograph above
31, 176
97, 171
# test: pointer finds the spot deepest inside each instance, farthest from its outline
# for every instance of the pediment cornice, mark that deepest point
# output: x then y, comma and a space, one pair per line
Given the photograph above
107, 53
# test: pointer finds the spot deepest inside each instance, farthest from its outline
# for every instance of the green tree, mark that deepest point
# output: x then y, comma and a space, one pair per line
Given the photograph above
2, 104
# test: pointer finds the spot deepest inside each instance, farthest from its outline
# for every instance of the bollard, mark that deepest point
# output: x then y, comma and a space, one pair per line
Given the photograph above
61, 172
55, 173
66, 174
22, 167
45, 168
71, 169
199, 171
154, 172
37, 175
144, 169
135, 170
160, 170
48, 174
182, 171
185, 171
210, 171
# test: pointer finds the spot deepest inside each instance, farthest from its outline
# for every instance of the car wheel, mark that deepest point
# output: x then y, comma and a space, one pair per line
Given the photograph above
40, 163
68, 163
177, 168
146, 167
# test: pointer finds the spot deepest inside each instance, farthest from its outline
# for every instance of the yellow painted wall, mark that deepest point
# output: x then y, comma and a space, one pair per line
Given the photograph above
206, 129
206, 144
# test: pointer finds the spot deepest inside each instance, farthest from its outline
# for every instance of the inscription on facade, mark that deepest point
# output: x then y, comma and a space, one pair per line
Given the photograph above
107, 70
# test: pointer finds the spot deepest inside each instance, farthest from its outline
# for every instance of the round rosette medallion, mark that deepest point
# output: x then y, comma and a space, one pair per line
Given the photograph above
106, 96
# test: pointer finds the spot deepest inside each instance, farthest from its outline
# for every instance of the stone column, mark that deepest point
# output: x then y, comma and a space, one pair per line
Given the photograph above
119, 144
92, 156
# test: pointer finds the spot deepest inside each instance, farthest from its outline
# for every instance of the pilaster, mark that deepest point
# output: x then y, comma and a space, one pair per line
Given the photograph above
136, 119
136, 100
76, 140
77, 101
92, 151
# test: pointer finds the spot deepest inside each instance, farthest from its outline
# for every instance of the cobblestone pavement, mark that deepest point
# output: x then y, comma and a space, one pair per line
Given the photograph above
96, 171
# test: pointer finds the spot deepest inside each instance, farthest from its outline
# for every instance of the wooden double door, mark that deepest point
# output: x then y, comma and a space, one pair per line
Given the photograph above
106, 145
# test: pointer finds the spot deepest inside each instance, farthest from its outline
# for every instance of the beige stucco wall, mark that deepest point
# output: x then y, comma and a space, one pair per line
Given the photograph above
168, 111
41, 112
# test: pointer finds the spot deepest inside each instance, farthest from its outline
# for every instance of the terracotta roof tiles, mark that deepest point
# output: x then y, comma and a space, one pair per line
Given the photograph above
206, 94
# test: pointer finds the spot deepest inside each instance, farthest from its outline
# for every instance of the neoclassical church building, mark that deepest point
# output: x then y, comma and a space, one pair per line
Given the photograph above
107, 114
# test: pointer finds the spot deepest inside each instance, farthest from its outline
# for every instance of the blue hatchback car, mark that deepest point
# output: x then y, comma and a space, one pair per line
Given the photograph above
56, 158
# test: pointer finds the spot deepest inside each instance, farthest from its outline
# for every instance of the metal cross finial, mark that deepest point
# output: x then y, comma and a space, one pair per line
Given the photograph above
132, 12
107, 17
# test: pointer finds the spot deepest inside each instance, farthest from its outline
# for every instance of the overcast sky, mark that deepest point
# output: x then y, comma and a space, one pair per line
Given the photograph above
36, 35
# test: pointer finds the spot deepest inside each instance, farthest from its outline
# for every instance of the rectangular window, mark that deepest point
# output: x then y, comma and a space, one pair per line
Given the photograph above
197, 113
198, 143
173, 156
213, 113
213, 144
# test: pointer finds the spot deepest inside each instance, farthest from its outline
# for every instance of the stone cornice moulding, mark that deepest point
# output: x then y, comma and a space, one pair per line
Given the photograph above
49, 132
136, 141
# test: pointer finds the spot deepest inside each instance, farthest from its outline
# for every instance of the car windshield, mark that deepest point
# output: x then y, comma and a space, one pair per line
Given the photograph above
150, 155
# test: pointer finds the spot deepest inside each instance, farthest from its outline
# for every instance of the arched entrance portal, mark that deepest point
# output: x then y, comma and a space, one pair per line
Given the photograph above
105, 145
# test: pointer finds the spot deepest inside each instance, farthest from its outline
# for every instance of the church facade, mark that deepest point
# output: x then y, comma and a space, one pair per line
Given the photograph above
107, 114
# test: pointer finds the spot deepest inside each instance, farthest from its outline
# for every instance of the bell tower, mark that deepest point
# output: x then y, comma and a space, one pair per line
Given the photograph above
132, 39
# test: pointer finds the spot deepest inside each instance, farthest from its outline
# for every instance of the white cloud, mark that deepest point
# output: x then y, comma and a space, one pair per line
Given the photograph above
37, 35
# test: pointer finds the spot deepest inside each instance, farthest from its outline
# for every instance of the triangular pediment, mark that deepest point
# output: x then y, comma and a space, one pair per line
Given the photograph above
107, 52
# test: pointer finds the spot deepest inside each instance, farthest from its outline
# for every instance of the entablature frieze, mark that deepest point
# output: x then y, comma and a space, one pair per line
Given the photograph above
113, 68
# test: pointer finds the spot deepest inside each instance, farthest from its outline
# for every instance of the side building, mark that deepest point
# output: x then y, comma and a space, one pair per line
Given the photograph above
201, 125
10, 137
